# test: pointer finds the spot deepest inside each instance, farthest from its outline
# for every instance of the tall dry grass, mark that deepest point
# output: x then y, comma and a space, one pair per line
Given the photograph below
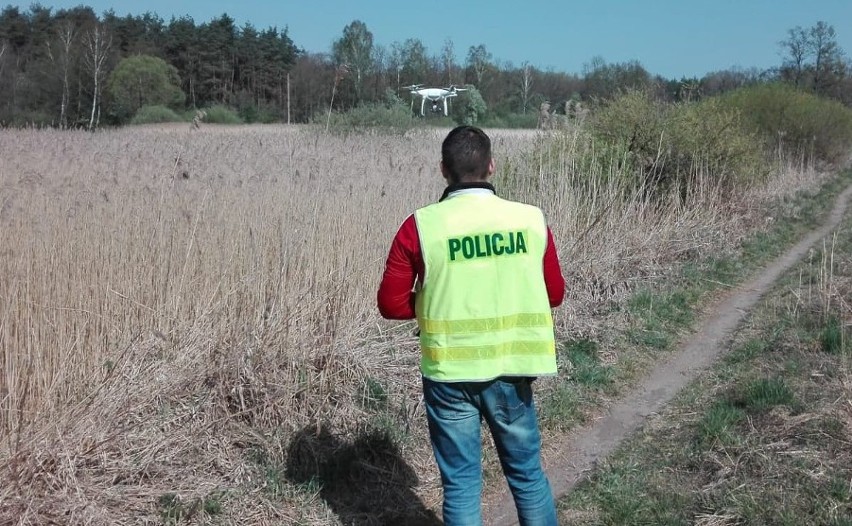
173, 304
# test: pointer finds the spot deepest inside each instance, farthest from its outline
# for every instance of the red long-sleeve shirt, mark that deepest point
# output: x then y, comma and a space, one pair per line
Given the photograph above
405, 263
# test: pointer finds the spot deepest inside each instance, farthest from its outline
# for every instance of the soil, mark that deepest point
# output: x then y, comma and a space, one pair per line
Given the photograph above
579, 452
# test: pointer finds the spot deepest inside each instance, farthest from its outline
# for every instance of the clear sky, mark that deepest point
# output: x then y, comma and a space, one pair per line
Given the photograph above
672, 38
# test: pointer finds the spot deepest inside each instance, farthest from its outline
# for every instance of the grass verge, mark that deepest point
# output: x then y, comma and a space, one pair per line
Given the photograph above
762, 438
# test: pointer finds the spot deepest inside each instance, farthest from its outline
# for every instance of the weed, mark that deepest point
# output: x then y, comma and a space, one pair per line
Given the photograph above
766, 393
173, 508
373, 395
831, 337
212, 504
717, 424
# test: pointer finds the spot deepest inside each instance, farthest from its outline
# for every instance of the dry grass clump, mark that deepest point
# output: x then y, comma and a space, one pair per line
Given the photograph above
177, 309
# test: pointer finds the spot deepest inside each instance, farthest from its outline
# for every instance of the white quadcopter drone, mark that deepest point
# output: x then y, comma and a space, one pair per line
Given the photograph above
437, 96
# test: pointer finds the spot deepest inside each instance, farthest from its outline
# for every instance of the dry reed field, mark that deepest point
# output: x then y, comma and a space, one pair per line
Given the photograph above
178, 308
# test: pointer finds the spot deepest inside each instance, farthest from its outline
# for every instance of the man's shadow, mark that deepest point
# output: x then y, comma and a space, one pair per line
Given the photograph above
365, 482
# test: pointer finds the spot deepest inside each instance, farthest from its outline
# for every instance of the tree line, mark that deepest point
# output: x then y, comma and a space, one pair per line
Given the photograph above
73, 68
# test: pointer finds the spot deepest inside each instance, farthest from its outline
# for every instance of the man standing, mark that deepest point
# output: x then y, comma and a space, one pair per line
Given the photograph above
480, 274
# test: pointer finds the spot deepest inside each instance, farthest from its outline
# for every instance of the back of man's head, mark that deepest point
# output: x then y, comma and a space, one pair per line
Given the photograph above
466, 155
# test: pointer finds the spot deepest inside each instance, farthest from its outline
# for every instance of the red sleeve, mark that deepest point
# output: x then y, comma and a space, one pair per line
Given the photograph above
553, 273
405, 262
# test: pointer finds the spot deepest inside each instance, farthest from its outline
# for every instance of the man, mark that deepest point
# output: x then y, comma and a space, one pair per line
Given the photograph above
480, 274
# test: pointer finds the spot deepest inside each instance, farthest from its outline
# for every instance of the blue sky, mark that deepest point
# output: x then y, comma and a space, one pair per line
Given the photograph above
672, 38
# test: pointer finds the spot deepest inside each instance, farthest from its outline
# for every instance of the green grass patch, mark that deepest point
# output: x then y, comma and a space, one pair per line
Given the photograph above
746, 351
832, 338
718, 425
629, 494
174, 509
586, 367
562, 407
661, 316
763, 394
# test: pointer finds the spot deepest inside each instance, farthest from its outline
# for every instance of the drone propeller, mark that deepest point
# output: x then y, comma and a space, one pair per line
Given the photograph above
413, 87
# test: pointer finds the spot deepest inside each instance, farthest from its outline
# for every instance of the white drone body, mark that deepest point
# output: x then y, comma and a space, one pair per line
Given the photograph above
437, 96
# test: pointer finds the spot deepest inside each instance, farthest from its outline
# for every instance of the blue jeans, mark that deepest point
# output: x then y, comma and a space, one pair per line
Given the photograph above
454, 412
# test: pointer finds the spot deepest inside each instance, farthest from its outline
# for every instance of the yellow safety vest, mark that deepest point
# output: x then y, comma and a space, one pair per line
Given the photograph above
482, 305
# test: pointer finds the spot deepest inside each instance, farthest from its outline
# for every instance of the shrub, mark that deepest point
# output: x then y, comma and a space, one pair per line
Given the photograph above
220, 114
667, 146
382, 115
155, 114
253, 114
33, 118
799, 123
469, 107
710, 138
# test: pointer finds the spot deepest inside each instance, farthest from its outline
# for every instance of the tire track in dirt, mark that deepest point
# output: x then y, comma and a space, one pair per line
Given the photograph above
582, 449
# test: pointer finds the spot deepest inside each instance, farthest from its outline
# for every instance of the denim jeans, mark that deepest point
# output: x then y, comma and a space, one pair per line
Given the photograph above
454, 412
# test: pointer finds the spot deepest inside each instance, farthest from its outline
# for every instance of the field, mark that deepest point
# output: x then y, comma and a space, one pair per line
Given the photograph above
187, 319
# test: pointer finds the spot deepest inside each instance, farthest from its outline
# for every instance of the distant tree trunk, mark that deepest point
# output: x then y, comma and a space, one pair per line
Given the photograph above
66, 38
3, 47
98, 43
192, 92
526, 86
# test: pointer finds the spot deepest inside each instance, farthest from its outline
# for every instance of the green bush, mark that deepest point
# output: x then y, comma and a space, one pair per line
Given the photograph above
252, 114
799, 123
220, 114
671, 146
469, 107
381, 115
155, 114
709, 137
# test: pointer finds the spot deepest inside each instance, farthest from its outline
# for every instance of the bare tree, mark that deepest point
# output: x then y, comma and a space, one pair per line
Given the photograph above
66, 34
448, 56
826, 55
526, 85
813, 58
98, 43
797, 47
478, 60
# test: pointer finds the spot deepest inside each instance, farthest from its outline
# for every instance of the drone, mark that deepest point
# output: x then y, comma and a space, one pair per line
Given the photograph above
436, 96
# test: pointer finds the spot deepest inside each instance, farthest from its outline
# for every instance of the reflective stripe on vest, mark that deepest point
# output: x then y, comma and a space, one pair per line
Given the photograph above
482, 307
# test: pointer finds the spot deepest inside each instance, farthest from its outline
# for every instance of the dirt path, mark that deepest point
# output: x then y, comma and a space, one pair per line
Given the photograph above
580, 451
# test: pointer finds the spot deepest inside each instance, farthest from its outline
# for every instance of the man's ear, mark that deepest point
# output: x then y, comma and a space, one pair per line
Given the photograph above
445, 172
491, 167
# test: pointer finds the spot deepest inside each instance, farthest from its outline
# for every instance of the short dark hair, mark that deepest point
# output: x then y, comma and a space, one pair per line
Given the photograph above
466, 154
